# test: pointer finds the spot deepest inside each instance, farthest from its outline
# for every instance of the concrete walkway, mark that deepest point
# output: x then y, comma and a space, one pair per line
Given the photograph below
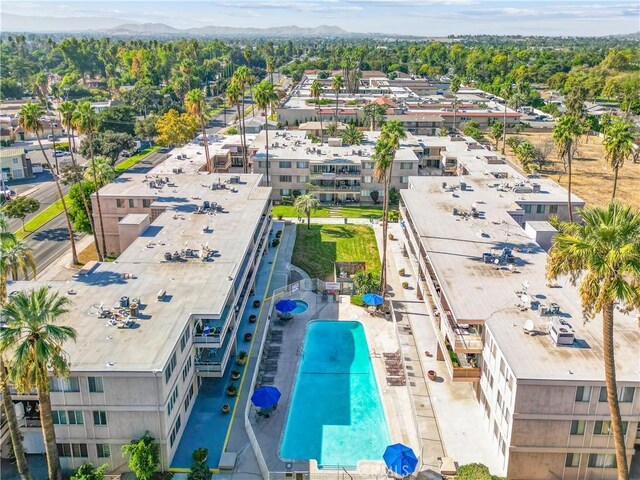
238, 441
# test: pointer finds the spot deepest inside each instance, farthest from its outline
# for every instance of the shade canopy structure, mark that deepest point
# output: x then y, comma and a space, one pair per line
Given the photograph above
372, 299
265, 397
400, 459
286, 306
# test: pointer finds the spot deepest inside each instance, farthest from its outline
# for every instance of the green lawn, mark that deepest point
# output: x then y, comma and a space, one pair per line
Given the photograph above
349, 212
131, 161
316, 249
289, 211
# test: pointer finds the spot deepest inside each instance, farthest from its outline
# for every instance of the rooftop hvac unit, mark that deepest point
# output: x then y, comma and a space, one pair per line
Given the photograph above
536, 188
234, 179
561, 333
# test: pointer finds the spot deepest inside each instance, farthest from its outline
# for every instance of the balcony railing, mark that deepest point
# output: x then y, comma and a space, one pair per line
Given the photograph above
332, 175
211, 340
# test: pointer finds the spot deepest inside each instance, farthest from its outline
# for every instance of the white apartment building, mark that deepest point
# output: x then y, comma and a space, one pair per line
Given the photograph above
334, 172
156, 321
477, 248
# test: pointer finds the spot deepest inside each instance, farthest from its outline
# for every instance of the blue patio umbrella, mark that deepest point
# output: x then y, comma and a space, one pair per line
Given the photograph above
372, 299
264, 397
400, 459
286, 306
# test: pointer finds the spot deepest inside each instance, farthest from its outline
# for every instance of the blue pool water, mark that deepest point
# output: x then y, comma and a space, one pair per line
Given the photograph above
301, 307
336, 414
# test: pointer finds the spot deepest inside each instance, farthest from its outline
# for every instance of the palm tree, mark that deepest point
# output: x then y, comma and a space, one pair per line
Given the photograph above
35, 343
351, 135
17, 256
196, 105
455, 88
336, 85
270, 68
316, 94
66, 111
618, 146
384, 154
7, 239
375, 114
505, 92
30, 114
100, 171
233, 95
603, 255
305, 204
243, 78
85, 121
566, 133
266, 97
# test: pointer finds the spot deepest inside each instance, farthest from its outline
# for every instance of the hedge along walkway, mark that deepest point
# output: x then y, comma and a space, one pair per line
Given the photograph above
288, 211
55, 209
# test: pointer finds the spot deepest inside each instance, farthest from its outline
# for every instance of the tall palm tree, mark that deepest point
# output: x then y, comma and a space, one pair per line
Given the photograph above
305, 204
35, 344
316, 94
336, 85
566, 134
603, 255
100, 171
454, 86
618, 146
505, 92
242, 76
233, 94
17, 256
270, 68
7, 239
66, 111
30, 114
384, 154
266, 97
375, 114
196, 105
85, 120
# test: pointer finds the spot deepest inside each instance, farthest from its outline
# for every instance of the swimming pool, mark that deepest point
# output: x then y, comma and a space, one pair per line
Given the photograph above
336, 414
301, 307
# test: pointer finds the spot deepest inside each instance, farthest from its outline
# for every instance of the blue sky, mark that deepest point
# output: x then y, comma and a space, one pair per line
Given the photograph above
417, 17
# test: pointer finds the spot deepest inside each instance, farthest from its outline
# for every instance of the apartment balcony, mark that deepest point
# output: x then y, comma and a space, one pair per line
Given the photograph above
212, 362
338, 188
461, 367
337, 175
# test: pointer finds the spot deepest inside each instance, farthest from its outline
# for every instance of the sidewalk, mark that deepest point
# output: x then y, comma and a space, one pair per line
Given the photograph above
451, 419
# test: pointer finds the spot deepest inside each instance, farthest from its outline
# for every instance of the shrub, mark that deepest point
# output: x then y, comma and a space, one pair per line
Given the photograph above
89, 472
200, 455
394, 216
365, 282
475, 471
286, 200
357, 300
232, 131
405, 285
275, 242
144, 456
199, 471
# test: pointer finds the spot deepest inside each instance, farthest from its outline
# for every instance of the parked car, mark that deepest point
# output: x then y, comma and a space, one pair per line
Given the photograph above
60, 153
125, 153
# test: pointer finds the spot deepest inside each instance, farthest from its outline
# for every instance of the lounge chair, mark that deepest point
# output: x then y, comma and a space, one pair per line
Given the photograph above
396, 381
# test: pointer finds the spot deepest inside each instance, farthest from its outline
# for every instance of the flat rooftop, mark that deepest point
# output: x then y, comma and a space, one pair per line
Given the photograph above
193, 286
478, 291
297, 145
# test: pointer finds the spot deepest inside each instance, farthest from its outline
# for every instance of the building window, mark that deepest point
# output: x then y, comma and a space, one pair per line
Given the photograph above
59, 417
172, 400
100, 418
174, 431
526, 208
76, 417
79, 450
70, 384
262, 164
284, 164
186, 369
95, 384
404, 179
132, 203
602, 460
625, 394
103, 450
172, 364
572, 460
577, 427
146, 203
15, 161
64, 449
406, 165
285, 192
185, 339
540, 209
285, 178
120, 202
583, 394
603, 427
553, 209
302, 164
302, 179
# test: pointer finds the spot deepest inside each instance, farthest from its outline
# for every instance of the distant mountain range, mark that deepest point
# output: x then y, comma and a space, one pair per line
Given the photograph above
115, 27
